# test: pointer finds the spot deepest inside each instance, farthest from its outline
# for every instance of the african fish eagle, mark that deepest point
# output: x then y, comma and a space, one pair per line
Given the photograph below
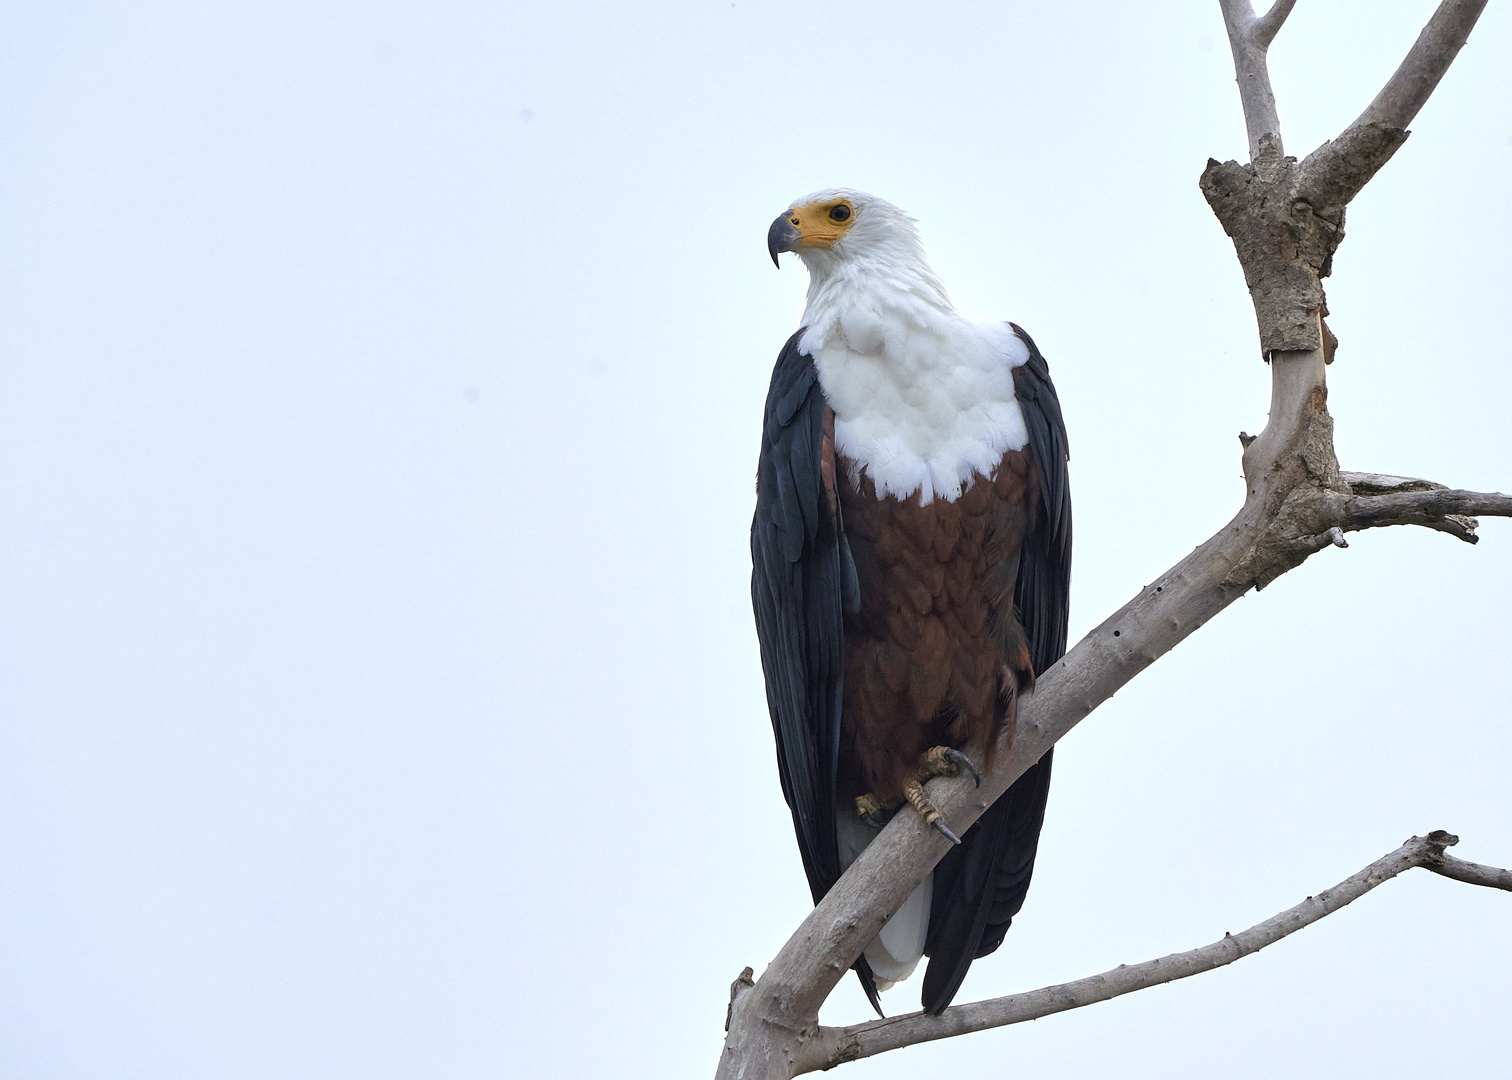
912, 561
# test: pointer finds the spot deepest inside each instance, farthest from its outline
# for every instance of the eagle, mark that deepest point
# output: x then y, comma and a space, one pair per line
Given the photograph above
911, 553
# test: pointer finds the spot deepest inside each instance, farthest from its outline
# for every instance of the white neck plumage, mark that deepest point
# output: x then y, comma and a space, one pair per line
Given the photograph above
923, 396
890, 274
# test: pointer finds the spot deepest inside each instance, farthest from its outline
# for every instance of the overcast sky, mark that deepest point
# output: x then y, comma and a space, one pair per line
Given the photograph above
380, 387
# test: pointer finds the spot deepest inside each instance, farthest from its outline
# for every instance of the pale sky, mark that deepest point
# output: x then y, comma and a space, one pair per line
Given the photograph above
380, 387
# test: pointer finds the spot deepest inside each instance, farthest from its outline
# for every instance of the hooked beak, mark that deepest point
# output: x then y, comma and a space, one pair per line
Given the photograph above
782, 236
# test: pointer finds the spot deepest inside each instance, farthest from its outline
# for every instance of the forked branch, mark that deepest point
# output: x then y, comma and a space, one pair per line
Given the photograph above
1336, 171
1268, 25
1249, 38
835, 1046
1286, 220
1404, 94
1316, 517
1410, 86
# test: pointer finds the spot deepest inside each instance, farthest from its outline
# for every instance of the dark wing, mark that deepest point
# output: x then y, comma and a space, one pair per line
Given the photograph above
802, 582
1043, 597
980, 886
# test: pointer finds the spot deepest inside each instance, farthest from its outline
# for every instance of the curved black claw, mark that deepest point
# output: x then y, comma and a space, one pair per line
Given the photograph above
954, 755
939, 823
869, 808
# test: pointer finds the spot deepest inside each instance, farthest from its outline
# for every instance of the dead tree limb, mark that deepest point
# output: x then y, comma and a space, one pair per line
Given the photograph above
1413, 83
835, 1046
1286, 220
1250, 37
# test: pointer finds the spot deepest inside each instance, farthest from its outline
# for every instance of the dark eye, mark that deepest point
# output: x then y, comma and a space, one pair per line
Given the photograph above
840, 213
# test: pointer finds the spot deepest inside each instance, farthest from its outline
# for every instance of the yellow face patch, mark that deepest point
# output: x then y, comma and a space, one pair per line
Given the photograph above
820, 224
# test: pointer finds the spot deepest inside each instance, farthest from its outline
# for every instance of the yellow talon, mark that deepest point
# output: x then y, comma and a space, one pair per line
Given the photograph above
945, 761
913, 791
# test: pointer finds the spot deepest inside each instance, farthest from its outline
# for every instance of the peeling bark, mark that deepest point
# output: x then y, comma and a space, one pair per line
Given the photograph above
1286, 219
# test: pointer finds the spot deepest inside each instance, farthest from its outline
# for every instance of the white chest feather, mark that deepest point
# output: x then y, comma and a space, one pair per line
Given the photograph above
923, 397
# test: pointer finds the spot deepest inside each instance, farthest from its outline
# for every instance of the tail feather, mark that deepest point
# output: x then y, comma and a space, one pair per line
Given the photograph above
896, 950
980, 886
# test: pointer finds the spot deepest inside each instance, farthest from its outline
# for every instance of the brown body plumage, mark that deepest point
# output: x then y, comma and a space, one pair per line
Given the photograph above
936, 656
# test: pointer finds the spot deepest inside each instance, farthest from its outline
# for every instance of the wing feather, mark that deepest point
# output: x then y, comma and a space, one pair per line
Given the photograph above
802, 580
795, 590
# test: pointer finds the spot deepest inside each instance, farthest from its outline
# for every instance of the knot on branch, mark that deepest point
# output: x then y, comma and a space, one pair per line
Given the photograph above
1298, 444
1304, 524
1429, 851
743, 982
1286, 219
1284, 246
1315, 515
1294, 483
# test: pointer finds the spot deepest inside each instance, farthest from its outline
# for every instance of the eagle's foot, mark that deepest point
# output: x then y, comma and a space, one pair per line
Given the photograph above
870, 809
913, 791
946, 761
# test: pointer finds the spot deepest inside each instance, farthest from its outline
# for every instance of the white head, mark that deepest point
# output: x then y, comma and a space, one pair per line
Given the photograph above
860, 251
832, 228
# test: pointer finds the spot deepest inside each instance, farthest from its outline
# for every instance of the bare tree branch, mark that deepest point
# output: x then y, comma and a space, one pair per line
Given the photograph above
1440, 508
1286, 221
835, 1046
1336, 171
1315, 517
1369, 484
771, 1023
775, 1022
1249, 38
1491, 877
1268, 25
1414, 81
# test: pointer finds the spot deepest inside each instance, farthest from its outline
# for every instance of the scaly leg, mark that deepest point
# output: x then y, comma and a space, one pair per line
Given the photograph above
937, 761
913, 791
